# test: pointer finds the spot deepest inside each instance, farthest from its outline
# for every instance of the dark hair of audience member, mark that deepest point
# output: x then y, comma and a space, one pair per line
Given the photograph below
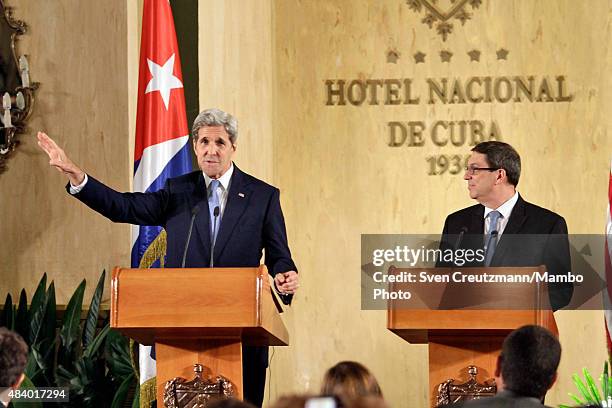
13, 357
350, 380
529, 360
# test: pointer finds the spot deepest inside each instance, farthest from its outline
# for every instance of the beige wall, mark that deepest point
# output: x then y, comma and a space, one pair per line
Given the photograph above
78, 53
236, 74
340, 179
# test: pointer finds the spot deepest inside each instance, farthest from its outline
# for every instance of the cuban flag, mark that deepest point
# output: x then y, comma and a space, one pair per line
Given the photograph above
162, 140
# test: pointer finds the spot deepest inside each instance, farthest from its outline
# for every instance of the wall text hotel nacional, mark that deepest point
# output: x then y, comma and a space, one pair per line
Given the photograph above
446, 91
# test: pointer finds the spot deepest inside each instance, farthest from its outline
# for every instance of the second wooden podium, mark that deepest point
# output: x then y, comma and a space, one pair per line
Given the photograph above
473, 335
197, 316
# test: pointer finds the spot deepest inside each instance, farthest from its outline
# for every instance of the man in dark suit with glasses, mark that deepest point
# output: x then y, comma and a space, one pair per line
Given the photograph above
511, 231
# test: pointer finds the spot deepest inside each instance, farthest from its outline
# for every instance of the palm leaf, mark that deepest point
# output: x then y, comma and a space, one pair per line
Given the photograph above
118, 355
38, 319
119, 362
122, 391
605, 383
592, 387
6, 318
26, 385
21, 318
577, 400
40, 378
35, 306
48, 359
136, 401
63, 376
48, 325
89, 330
47, 339
97, 342
97, 374
70, 330
583, 389
32, 369
92, 384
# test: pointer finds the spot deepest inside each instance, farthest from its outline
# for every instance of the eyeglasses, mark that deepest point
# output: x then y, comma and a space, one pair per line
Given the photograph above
471, 170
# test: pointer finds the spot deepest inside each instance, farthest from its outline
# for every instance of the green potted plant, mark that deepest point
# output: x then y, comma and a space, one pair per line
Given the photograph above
92, 362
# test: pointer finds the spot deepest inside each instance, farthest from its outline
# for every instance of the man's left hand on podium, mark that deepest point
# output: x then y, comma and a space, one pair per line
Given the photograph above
286, 282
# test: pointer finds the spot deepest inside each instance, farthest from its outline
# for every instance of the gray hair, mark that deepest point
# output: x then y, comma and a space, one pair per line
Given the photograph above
215, 117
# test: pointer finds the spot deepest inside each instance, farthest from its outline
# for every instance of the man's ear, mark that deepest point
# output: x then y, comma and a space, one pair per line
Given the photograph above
501, 175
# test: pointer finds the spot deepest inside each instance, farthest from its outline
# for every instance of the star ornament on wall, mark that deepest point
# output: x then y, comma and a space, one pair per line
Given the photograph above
163, 79
419, 57
445, 55
393, 56
474, 55
502, 54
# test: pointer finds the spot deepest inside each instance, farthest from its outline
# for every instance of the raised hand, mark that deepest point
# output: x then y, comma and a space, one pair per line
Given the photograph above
59, 160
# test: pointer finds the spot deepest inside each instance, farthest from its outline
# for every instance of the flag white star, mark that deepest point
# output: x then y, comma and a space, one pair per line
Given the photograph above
163, 79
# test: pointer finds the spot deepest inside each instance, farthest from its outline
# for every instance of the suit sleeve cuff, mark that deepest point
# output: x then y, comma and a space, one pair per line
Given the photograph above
77, 189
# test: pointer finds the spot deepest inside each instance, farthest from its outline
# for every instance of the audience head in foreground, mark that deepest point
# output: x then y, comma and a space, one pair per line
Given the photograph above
528, 362
309, 401
13, 359
350, 380
525, 371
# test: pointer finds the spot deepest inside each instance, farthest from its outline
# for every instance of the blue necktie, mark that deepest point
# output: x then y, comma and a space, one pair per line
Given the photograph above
213, 201
492, 236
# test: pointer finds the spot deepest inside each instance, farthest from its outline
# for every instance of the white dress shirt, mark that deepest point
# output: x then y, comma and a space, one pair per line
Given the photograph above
223, 189
505, 210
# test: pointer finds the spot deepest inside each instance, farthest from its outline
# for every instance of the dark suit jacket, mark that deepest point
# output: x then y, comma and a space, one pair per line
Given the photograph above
503, 399
533, 236
252, 220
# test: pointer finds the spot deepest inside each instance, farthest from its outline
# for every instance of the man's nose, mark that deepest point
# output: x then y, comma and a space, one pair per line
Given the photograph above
211, 149
466, 175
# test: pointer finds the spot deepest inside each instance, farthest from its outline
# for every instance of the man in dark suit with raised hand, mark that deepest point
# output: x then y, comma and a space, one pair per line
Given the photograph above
234, 213
492, 174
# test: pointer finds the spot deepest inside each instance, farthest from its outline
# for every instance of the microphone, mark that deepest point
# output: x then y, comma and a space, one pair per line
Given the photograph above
194, 212
460, 237
214, 236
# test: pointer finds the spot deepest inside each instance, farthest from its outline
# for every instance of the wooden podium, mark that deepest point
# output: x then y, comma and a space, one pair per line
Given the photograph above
197, 316
459, 338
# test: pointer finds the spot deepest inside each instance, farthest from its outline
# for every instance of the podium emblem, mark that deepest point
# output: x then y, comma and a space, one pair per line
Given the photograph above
197, 393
